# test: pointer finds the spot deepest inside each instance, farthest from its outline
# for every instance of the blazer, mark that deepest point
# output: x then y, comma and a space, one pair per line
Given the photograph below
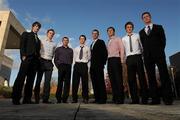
29, 45
98, 54
154, 43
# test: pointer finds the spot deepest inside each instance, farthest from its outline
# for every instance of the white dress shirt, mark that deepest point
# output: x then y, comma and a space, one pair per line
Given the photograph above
86, 54
47, 49
93, 43
136, 44
146, 27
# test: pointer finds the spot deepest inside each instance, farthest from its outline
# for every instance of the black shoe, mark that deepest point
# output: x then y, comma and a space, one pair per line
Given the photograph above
155, 103
134, 102
59, 101
28, 102
101, 102
85, 101
15, 102
47, 102
74, 101
64, 101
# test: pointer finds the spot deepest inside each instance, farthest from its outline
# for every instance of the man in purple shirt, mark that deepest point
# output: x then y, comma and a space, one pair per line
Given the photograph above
63, 61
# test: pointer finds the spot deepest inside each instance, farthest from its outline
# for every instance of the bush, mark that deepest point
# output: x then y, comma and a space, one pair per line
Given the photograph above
5, 91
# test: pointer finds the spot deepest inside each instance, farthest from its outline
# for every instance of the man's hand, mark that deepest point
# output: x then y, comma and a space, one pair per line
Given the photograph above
23, 58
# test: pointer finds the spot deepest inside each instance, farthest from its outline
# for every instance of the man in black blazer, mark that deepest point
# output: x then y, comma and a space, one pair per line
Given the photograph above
154, 41
30, 53
98, 60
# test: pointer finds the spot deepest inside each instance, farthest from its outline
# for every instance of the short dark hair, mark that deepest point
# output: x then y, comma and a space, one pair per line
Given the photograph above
95, 30
111, 28
51, 30
36, 23
129, 23
82, 36
145, 13
65, 38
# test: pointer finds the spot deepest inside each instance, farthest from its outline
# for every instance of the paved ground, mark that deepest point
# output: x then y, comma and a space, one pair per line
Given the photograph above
88, 111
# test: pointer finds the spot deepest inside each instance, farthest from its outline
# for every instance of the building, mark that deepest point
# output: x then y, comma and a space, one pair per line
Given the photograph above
10, 32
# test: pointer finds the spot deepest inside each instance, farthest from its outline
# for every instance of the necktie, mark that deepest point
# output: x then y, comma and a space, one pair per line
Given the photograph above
149, 30
130, 43
81, 53
36, 37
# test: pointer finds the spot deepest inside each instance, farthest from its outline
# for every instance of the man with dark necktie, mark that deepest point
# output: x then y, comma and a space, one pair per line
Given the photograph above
154, 41
80, 72
98, 60
133, 53
30, 53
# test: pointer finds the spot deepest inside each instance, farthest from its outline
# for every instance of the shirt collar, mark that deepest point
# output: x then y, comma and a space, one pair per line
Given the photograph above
128, 34
151, 25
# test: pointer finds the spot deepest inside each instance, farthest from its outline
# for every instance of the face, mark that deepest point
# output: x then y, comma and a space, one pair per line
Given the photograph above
146, 18
82, 40
95, 35
129, 28
35, 28
65, 42
110, 32
50, 34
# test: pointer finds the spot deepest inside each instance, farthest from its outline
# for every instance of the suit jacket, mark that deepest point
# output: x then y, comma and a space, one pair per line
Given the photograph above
29, 45
98, 54
154, 43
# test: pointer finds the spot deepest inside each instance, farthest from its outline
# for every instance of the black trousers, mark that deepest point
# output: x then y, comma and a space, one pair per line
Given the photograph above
115, 76
64, 78
28, 69
166, 88
135, 66
80, 72
98, 83
46, 68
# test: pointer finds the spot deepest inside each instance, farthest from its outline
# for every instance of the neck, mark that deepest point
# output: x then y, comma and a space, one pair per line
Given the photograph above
130, 33
149, 23
49, 39
65, 46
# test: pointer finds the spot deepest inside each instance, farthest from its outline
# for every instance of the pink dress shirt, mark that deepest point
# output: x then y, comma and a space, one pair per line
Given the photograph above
115, 48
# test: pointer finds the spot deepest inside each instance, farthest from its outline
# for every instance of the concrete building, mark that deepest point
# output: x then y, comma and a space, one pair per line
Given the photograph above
10, 31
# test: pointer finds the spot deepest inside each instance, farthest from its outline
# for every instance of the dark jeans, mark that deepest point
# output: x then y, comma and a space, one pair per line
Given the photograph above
80, 72
46, 68
27, 70
115, 76
64, 78
135, 66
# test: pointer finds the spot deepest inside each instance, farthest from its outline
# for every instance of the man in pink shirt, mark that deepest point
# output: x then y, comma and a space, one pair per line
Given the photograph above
115, 58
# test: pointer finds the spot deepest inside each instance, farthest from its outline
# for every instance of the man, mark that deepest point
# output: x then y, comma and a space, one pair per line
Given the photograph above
115, 58
133, 52
154, 41
29, 52
63, 61
98, 60
81, 58
46, 66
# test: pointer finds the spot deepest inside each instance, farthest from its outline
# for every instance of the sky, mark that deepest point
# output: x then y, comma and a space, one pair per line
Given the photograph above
75, 17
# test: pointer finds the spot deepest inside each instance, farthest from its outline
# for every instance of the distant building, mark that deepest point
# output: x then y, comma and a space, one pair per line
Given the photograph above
10, 32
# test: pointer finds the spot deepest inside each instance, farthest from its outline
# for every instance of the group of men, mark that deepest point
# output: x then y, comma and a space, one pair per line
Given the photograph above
136, 50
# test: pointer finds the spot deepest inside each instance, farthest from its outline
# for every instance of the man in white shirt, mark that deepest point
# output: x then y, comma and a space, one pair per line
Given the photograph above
133, 51
81, 58
46, 66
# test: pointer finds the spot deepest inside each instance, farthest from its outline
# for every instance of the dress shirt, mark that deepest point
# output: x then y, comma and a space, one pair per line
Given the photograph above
146, 27
136, 44
86, 54
115, 48
47, 49
92, 45
63, 55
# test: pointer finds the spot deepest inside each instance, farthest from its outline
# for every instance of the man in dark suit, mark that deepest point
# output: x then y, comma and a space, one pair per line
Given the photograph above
98, 60
29, 52
154, 41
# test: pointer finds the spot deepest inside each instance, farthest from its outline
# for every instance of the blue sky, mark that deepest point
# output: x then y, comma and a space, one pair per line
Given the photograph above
74, 17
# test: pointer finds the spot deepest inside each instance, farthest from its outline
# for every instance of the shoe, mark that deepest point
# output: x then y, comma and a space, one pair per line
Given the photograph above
85, 101
59, 101
47, 102
64, 101
134, 102
28, 102
74, 101
15, 102
155, 103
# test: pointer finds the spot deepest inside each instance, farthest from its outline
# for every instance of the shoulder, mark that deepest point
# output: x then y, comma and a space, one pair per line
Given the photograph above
157, 26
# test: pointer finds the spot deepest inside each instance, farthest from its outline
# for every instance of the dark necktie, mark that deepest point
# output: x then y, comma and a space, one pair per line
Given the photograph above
81, 53
130, 43
149, 30
36, 38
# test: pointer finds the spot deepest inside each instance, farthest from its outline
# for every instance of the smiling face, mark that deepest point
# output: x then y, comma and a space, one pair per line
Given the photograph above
110, 32
129, 28
65, 41
82, 40
95, 35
